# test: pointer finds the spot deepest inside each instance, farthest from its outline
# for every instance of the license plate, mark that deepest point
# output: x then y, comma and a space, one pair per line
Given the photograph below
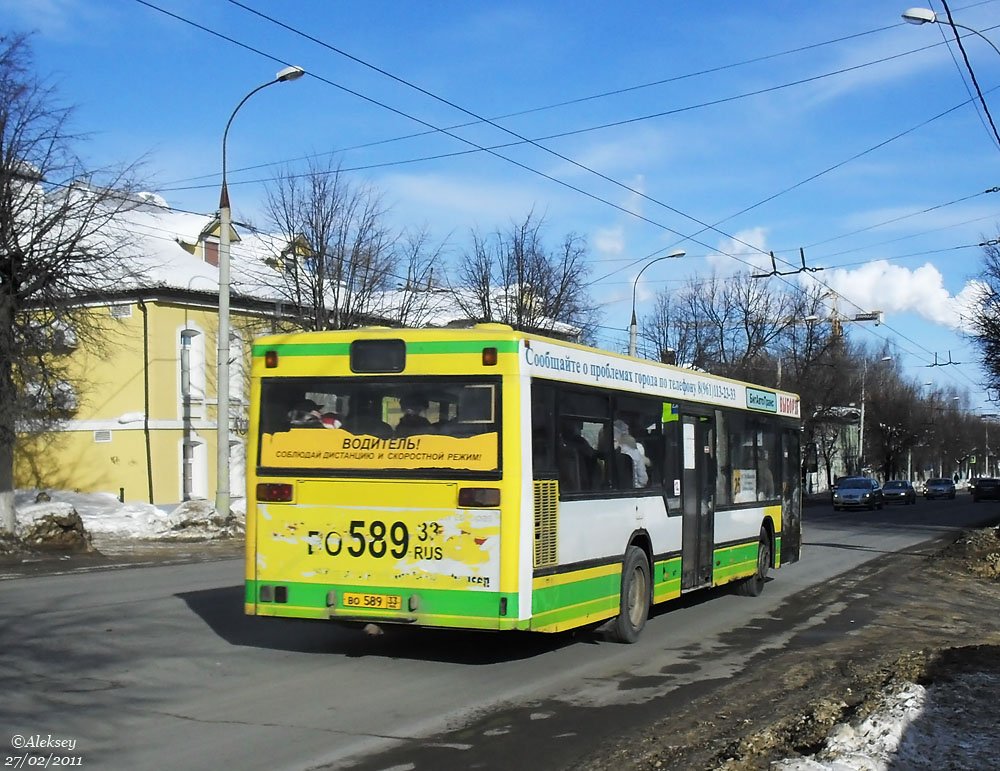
373, 601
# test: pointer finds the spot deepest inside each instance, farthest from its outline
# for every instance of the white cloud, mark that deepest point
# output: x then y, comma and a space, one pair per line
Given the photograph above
640, 148
54, 18
461, 200
747, 247
880, 285
609, 241
967, 301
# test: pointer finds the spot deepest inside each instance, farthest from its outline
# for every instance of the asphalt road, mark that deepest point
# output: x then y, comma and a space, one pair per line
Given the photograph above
156, 666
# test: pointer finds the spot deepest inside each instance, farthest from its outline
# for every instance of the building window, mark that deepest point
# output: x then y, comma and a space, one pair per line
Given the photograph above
54, 399
211, 250
192, 370
194, 468
236, 367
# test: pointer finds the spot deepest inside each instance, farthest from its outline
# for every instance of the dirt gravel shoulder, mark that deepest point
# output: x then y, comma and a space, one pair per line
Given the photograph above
930, 616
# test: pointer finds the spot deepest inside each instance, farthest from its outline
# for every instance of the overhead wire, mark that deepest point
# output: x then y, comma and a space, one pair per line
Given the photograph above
902, 217
479, 118
536, 143
502, 157
972, 72
512, 161
579, 100
573, 132
965, 82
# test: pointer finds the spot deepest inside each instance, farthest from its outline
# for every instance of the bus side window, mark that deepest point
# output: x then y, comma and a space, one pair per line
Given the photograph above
638, 431
543, 431
673, 461
574, 456
583, 461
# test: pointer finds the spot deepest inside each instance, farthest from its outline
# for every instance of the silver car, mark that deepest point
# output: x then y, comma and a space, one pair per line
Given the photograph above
857, 493
939, 488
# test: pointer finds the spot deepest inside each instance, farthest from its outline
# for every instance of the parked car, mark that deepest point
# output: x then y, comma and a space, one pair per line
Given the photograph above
985, 488
899, 491
939, 488
857, 493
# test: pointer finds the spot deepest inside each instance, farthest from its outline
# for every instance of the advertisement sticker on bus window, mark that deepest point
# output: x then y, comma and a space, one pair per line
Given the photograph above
689, 446
336, 448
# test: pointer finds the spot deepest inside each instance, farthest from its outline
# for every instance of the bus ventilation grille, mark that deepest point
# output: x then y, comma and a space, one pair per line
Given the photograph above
546, 522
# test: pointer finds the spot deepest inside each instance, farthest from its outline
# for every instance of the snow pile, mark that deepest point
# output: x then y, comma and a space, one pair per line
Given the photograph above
871, 746
949, 724
104, 515
55, 526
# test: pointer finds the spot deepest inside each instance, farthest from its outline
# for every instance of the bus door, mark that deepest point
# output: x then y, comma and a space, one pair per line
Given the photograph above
791, 496
697, 500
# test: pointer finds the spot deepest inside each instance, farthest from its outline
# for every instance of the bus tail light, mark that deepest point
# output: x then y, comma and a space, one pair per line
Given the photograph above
479, 496
274, 492
489, 357
270, 359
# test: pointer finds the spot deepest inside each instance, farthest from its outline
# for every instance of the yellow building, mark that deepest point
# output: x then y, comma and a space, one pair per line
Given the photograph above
139, 419
138, 409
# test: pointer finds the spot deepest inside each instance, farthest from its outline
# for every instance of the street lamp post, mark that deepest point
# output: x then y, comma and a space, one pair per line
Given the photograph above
927, 16
225, 221
632, 326
986, 425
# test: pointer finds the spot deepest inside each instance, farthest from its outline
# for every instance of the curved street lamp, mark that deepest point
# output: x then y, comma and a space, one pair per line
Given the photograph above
927, 16
632, 327
222, 388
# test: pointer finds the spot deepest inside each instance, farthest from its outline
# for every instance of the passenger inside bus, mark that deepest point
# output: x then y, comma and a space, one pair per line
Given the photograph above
305, 413
577, 459
414, 419
332, 420
366, 417
630, 456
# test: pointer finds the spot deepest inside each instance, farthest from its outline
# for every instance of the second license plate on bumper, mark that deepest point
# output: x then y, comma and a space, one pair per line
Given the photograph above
372, 601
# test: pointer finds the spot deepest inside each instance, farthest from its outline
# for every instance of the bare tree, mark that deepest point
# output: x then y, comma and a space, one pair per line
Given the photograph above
728, 326
59, 240
337, 257
986, 315
510, 277
674, 339
410, 304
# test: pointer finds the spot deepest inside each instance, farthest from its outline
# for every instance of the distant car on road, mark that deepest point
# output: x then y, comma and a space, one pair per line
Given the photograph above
899, 491
939, 488
857, 493
985, 489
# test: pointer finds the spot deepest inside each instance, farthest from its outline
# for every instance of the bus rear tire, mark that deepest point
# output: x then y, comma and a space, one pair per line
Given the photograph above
633, 607
754, 585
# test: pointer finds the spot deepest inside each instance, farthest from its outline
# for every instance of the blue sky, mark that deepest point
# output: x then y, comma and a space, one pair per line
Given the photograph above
834, 128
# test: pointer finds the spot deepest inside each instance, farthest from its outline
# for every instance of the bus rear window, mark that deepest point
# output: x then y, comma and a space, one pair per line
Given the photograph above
349, 424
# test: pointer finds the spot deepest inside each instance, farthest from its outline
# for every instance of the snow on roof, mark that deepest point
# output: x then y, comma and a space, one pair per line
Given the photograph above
158, 242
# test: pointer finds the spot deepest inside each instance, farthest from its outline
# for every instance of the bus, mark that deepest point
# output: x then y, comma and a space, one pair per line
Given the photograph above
494, 479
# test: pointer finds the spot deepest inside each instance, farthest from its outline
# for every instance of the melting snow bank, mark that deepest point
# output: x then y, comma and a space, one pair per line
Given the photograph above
105, 516
946, 725
871, 746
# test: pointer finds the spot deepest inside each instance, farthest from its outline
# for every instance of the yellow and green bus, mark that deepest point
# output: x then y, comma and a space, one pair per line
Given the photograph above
488, 478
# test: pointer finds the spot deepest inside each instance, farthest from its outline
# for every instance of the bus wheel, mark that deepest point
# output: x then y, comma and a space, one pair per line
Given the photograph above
634, 605
754, 585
